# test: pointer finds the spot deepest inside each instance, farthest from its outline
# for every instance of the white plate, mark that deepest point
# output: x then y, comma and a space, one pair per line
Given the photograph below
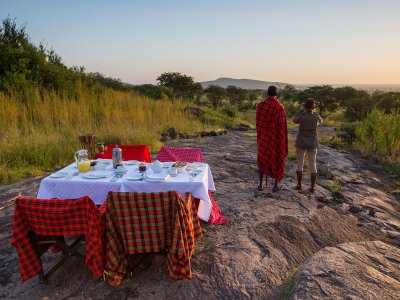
156, 177
198, 164
168, 164
59, 174
134, 177
131, 162
96, 175
197, 171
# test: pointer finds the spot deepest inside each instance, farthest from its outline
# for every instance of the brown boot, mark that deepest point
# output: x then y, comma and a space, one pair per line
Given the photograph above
299, 178
313, 181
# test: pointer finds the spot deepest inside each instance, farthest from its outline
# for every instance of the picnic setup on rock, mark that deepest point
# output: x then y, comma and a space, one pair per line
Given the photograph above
120, 204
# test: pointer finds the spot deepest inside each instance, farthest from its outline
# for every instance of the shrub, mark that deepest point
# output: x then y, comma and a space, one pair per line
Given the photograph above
230, 111
380, 133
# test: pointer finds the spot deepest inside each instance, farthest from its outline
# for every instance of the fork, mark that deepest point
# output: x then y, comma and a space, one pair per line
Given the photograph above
116, 177
76, 173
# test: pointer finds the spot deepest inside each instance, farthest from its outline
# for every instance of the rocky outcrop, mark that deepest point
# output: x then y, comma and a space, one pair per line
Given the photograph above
268, 236
365, 270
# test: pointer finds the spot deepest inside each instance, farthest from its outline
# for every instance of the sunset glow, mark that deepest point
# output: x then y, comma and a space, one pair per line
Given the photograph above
333, 42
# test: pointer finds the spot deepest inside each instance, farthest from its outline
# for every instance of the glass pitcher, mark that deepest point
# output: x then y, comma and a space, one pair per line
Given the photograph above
82, 160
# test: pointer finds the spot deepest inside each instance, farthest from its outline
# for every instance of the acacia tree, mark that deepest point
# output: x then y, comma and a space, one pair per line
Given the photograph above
196, 91
324, 97
215, 94
289, 93
182, 85
236, 95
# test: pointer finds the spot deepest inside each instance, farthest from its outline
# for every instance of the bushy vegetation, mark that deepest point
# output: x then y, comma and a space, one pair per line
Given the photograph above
25, 67
379, 133
41, 134
45, 106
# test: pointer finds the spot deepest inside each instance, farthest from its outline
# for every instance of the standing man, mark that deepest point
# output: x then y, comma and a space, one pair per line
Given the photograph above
272, 139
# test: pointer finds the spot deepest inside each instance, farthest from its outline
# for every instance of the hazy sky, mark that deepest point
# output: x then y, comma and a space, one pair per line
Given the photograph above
298, 41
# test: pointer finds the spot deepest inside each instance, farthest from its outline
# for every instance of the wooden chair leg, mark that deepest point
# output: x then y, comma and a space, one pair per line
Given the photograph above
67, 252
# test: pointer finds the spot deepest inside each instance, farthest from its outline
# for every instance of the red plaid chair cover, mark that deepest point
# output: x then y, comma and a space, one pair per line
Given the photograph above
150, 222
192, 155
130, 152
54, 217
180, 154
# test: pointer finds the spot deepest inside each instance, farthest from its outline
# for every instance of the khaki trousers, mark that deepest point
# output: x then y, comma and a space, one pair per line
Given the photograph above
312, 159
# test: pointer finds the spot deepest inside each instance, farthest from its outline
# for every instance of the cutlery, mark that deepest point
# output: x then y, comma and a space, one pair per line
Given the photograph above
116, 177
76, 173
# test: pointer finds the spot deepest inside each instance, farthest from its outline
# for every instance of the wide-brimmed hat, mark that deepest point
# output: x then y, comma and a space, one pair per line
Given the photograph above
310, 103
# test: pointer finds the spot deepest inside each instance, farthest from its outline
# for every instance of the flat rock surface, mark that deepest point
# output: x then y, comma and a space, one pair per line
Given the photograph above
250, 257
364, 270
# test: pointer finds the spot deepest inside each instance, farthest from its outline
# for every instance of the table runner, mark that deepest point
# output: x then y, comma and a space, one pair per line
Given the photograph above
150, 222
56, 218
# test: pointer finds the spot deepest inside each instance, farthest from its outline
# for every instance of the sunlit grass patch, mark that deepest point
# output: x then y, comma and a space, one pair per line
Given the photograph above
249, 135
40, 134
333, 186
292, 150
396, 192
289, 283
254, 168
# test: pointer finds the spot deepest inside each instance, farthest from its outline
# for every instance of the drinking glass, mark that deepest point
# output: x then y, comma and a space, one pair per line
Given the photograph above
142, 169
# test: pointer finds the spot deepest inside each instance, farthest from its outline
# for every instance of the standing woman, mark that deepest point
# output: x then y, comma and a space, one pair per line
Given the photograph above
307, 141
272, 139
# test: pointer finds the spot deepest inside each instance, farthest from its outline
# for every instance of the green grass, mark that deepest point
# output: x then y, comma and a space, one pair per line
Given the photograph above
396, 192
292, 150
40, 135
249, 135
254, 168
333, 187
289, 283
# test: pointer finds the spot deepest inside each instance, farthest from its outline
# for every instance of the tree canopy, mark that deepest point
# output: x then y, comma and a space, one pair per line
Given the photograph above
215, 94
183, 86
24, 65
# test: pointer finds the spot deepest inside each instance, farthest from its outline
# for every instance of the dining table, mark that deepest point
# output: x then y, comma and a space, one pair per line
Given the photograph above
69, 183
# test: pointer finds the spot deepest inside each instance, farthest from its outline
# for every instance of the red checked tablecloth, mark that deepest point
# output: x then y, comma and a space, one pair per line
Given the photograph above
56, 218
130, 152
150, 222
168, 153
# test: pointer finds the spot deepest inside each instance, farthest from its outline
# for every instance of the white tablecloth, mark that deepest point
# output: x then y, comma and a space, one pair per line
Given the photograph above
97, 189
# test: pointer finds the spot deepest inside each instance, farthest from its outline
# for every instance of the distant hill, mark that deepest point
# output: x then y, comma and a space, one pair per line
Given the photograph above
242, 83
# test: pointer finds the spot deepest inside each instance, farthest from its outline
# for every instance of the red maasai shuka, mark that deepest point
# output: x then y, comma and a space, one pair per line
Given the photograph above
54, 217
130, 152
150, 222
272, 137
192, 155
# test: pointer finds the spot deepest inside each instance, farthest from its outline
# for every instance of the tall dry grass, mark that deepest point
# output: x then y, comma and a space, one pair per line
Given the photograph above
40, 133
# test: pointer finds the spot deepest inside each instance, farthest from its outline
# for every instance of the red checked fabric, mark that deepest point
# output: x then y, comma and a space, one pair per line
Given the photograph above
150, 222
180, 154
130, 152
56, 217
272, 137
191, 155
